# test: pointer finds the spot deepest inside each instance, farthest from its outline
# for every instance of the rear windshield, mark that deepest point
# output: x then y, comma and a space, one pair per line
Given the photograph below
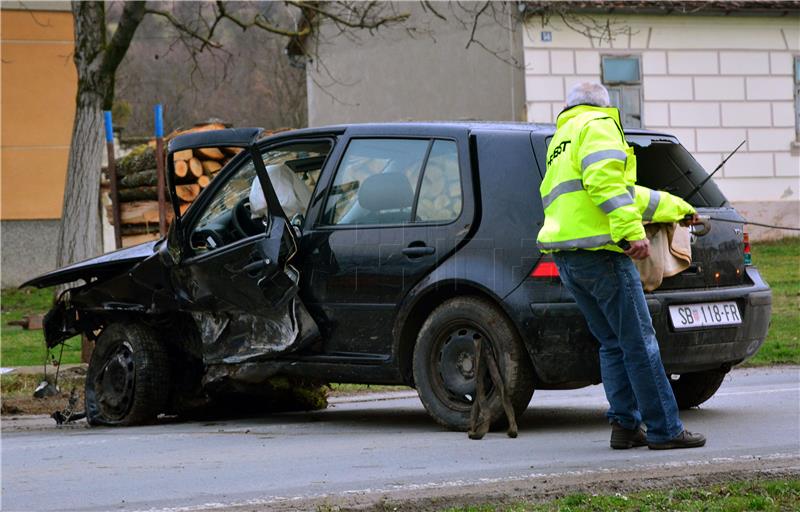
663, 164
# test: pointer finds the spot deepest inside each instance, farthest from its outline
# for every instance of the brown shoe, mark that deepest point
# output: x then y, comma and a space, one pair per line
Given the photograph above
623, 438
685, 439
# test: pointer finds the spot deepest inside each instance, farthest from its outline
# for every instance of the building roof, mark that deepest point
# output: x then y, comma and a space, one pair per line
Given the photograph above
690, 8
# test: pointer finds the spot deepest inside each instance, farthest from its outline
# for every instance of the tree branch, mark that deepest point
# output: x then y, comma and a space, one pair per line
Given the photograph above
132, 15
426, 5
475, 25
364, 20
185, 30
260, 22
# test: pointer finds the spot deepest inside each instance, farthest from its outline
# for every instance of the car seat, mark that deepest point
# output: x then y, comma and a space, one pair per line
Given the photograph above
384, 198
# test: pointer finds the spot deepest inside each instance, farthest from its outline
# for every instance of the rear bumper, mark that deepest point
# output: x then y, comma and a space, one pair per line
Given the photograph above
565, 354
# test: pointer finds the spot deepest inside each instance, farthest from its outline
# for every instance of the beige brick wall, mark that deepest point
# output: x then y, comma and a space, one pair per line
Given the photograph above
711, 81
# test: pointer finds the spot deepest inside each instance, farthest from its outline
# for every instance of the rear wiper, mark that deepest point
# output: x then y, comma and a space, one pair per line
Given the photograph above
702, 183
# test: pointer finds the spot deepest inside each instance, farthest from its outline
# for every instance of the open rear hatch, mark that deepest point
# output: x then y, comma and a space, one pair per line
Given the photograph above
718, 257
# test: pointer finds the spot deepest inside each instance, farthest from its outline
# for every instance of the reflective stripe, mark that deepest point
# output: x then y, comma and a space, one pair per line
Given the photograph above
605, 154
577, 243
632, 191
609, 205
652, 204
562, 188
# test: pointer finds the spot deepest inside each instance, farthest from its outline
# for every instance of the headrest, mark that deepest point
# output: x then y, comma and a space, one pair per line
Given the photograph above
388, 191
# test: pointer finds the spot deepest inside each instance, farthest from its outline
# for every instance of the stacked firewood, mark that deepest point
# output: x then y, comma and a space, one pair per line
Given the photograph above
138, 184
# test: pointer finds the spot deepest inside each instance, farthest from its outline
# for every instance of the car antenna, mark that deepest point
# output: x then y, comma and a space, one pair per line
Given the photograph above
702, 183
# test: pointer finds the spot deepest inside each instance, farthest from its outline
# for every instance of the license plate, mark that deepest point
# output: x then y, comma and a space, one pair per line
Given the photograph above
708, 314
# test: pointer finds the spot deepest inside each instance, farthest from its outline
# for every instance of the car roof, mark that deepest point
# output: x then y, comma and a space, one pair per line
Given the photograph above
541, 129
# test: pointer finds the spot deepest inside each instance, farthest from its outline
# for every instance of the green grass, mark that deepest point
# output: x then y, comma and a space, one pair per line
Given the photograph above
779, 264
19, 347
774, 495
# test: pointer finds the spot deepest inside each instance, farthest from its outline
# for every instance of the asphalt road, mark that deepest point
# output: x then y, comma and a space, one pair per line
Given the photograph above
358, 448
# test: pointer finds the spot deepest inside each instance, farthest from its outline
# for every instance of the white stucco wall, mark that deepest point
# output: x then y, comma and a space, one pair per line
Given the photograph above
711, 81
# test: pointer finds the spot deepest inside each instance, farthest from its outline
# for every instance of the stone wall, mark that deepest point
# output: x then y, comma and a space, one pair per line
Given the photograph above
28, 249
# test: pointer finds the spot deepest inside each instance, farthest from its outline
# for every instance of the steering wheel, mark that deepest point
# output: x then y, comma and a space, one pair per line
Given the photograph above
242, 222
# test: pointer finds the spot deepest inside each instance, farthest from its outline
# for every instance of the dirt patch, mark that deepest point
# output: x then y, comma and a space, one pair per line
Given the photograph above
503, 493
17, 392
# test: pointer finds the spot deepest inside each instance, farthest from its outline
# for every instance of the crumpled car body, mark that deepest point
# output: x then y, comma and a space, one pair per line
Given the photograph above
418, 241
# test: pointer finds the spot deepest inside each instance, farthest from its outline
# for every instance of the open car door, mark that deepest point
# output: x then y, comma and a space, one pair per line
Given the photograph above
234, 272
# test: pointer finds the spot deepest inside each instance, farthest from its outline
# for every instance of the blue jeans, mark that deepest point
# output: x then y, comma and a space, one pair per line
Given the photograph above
607, 288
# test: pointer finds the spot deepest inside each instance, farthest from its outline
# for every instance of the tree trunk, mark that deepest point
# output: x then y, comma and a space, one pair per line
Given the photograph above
96, 62
79, 236
79, 233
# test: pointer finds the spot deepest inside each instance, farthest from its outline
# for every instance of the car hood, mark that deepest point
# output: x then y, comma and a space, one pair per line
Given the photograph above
102, 266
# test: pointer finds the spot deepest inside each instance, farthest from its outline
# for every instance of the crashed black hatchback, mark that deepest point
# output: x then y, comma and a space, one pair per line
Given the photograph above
379, 254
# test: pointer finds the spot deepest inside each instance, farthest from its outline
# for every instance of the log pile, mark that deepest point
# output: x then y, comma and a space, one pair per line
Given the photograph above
138, 190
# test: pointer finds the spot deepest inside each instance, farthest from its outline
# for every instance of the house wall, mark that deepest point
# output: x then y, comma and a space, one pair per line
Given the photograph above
711, 81
38, 85
430, 75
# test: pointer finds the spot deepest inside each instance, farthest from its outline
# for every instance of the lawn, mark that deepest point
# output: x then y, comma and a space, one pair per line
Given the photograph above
19, 347
773, 495
779, 263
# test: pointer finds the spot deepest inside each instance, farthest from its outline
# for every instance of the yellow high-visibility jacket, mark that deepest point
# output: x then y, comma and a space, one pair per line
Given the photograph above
588, 193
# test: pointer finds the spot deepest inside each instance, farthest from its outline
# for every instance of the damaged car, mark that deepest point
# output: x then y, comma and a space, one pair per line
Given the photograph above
380, 254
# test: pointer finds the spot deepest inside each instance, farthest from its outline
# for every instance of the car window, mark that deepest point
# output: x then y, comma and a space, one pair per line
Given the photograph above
376, 182
293, 170
440, 192
217, 213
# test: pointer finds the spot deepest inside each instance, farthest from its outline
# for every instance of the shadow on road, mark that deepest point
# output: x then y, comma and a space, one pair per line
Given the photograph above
404, 416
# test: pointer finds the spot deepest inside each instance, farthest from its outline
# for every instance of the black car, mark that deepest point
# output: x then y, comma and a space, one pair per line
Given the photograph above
414, 241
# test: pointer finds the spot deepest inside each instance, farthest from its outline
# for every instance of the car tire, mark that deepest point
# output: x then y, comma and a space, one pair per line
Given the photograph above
442, 355
127, 382
692, 389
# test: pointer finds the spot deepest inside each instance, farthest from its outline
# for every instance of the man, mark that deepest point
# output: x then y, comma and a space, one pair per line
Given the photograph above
591, 206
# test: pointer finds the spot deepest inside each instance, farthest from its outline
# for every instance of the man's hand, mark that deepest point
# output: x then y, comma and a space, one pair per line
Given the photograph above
688, 221
639, 249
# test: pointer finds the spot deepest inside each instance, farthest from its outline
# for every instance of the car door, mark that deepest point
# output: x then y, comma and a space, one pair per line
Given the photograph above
236, 274
396, 203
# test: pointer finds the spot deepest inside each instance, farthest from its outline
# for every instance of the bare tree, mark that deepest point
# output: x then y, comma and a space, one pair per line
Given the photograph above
598, 30
253, 85
198, 26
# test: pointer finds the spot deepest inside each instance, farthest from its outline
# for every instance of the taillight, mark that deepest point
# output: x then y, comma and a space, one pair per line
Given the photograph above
545, 268
748, 258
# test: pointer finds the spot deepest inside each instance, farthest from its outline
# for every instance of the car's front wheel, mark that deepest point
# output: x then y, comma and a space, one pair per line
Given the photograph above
692, 389
127, 382
444, 361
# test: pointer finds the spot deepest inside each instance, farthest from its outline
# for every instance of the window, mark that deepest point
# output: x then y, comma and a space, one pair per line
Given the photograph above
378, 179
623, 78
293, 170
440, 192
664, 165
621, 70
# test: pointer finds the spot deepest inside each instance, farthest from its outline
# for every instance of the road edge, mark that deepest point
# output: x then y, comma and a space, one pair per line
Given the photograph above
532, 488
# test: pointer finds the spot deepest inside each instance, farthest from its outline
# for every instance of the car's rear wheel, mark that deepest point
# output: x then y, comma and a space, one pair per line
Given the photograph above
444, 361
127, 382
692, 389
